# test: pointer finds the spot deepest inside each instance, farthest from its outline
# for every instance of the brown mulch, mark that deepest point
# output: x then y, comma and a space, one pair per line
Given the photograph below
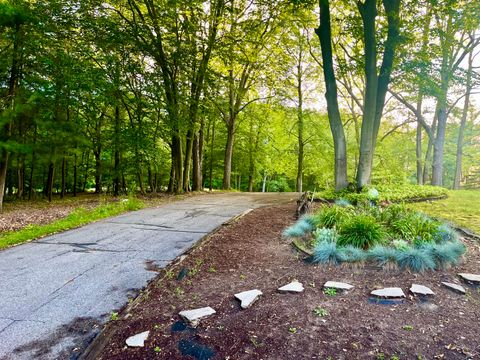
18, 214
251, 254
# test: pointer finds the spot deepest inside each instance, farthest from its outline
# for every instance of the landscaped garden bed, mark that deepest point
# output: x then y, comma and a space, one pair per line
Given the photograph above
315, 324
388, 236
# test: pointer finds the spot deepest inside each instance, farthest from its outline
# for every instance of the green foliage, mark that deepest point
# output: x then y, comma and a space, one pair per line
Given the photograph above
415, 227
361, 231
75, 219
330, 291
320, 312
391, 193
332, 216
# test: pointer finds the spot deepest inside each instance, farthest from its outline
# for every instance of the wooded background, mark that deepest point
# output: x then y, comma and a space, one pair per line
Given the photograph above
161, 95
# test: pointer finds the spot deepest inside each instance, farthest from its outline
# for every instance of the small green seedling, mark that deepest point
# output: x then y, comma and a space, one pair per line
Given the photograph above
408, 328
211, 269
320, 312
242, 277
114, 316
330, 291
179, 291
292, 330
157, 349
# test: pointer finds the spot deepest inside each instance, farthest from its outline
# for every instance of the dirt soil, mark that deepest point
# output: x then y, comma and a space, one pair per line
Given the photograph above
18, 214
251, 254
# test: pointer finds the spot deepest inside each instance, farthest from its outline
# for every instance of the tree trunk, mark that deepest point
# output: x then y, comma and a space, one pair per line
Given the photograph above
368, 11
64, 170
50, 180
75, 175
227, 170
116, 166
188, 159
419, 154
463, 122
98, 171
340, 147
178, 163
211, 157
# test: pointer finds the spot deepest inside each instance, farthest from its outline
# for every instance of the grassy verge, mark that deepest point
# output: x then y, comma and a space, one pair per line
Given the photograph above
75, 219
462, 207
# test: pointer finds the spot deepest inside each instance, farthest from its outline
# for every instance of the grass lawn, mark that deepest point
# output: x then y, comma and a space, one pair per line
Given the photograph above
76, 218
462, 207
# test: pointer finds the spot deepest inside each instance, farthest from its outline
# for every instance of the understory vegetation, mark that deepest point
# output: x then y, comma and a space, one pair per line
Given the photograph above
386, 193
390, 235
78, 217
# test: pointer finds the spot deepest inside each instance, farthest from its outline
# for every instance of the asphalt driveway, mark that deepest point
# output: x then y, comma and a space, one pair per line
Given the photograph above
56, 292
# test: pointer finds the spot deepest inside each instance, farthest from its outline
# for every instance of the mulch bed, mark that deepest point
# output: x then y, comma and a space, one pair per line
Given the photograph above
251, 254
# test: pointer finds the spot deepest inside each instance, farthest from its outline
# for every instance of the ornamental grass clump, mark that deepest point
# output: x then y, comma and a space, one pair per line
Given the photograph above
445, 234
416, 259
361, 231
333, 216
383, 255
301, 228
327, 253
325, 235
445, 254
352, 254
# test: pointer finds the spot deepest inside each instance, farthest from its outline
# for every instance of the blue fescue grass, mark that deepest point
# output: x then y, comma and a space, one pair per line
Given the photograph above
301, 228
445, 254
383, 255
416, 259
352, 254
445, 234
327, 252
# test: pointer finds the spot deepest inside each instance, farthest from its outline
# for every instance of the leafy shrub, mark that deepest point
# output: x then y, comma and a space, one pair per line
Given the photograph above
382, 255
351, 254
325, 235
390, 193
362, 231
416, 258
393, 213
334, 216
326, 252
415, 227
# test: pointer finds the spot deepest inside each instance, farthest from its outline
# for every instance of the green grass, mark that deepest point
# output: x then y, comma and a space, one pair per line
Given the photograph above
462, 207
75, 219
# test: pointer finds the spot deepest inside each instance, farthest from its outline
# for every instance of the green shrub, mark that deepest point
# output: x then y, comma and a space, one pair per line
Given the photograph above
334, 216
326, 252
416, 259
362, 231
383, 255
415, 227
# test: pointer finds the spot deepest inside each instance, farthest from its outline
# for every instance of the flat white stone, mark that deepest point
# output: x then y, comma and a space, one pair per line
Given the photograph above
421, 290
138, 340
193, 317
472, 278
389, 293
247, 298
337, 285
294, 286
455, 287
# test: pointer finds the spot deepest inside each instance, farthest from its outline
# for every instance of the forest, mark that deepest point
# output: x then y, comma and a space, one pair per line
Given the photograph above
127, 96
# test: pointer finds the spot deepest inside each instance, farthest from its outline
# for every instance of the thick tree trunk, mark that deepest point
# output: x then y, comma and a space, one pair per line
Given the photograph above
210, 175
116, 166
463, 122
75, 175
419, 155
188, 159
178, 163
301, 143
340, 147
368, 11
227, 170
50, 180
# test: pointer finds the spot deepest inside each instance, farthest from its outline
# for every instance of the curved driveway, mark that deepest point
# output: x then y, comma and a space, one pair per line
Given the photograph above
56, 292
